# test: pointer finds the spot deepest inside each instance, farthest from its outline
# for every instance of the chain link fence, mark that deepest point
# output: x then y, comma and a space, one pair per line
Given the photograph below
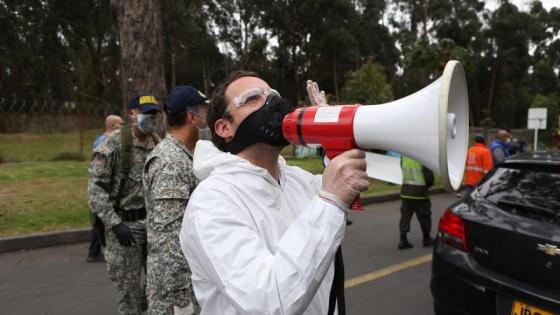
41, 116
39, 130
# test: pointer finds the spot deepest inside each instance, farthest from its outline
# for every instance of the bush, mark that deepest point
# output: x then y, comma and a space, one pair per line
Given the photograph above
69, 156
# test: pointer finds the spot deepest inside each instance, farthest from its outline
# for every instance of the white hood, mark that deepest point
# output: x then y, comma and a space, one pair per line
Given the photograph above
208, 158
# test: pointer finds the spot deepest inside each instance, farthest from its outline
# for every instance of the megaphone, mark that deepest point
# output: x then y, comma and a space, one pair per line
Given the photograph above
430, 126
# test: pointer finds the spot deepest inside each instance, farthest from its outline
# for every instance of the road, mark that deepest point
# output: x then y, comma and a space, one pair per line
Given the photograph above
380, 278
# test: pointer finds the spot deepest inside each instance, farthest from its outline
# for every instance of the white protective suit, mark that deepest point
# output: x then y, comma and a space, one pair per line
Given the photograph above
255, 245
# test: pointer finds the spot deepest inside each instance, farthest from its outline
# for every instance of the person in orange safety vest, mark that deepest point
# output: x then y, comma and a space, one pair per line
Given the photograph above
479, 162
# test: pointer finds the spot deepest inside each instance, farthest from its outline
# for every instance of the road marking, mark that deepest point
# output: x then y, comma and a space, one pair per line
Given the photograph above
374, 275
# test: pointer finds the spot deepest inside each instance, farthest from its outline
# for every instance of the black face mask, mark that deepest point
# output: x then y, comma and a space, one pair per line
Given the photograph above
262, 126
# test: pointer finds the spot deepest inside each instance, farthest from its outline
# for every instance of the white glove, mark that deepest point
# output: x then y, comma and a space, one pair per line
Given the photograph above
316, 97
345, 177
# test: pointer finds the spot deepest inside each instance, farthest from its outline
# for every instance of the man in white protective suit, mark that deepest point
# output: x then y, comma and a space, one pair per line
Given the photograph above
261, 236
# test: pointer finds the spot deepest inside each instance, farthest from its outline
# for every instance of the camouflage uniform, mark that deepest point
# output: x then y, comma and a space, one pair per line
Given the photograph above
124, 264
168, 182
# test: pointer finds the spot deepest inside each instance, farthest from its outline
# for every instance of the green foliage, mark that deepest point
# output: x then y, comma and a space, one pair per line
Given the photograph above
188, 38
69, 51
367, 85
487, 123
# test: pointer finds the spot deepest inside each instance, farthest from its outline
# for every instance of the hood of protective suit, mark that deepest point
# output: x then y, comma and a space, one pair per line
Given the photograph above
208, 159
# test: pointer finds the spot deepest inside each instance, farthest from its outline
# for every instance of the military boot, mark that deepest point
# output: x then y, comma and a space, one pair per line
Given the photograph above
404, 244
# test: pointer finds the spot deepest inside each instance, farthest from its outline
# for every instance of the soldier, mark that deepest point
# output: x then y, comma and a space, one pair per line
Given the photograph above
116, 196
168, 183
112, 123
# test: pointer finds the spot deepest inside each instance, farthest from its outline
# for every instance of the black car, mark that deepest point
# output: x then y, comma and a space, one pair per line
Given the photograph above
498, 248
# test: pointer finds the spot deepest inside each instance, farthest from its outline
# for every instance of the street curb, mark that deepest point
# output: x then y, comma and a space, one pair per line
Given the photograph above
40, 240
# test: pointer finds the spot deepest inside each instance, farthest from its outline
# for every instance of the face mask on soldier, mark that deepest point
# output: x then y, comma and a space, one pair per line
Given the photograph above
146, 123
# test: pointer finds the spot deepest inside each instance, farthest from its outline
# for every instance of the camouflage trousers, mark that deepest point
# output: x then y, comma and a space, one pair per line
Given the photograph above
168, 275
125, 266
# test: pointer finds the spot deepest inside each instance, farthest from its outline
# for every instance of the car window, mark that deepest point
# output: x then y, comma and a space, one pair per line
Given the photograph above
535, 187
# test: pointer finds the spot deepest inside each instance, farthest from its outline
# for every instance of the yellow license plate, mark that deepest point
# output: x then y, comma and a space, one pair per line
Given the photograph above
520, 308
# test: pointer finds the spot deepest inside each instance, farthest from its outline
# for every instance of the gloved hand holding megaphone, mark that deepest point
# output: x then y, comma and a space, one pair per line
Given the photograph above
430, 126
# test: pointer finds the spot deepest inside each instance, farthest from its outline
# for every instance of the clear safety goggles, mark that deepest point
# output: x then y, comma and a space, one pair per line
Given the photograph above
254, 96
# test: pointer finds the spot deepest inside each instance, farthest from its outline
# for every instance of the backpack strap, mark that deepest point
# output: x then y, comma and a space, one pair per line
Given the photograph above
126, 160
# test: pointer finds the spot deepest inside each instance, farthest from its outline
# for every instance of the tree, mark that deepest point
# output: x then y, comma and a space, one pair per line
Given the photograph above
332, 48
367, 85
508, 96
33, 55
289, 22
457, 20
92, 42
240, 28
191, 55
374, 38
141, 47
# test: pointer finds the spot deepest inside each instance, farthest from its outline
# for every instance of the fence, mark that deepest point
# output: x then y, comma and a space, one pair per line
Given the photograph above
38, 130
37, 116
32, 130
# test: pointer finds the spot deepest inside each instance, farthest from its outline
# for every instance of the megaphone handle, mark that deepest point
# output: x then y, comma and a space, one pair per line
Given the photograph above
357, 204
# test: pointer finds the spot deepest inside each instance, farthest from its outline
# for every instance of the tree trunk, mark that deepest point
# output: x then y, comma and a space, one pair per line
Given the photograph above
173, 69
141, 46
81, 105
492, 87
205, 77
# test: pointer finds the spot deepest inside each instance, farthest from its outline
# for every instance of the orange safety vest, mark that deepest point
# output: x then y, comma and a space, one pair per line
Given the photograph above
479, 162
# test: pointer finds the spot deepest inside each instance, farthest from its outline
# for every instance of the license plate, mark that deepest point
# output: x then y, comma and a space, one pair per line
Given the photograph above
520, 308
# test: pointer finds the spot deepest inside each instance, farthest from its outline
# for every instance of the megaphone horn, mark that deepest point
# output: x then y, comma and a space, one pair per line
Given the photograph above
430, 126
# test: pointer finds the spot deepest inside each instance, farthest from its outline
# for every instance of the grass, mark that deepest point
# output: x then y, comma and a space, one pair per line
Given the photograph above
51, 196
23, 147
46, 195
42, 196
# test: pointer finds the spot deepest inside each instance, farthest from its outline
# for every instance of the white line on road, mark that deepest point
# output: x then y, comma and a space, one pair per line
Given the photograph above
374, 275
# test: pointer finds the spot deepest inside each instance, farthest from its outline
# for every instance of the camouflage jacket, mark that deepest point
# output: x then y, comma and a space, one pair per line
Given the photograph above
105, 177
168, 183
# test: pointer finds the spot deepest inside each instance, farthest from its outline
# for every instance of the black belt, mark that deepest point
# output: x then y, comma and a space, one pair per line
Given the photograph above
132, 214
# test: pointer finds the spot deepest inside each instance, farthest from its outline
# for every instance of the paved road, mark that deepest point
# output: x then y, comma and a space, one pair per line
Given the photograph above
57, 280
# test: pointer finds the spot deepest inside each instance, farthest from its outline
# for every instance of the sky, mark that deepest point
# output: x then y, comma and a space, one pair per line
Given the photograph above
523, 4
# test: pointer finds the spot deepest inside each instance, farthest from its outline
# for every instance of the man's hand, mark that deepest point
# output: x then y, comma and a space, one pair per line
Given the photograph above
345, 176
316, 96
123, 234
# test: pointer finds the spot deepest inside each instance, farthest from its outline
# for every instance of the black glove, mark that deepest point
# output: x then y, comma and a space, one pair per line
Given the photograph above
123, 234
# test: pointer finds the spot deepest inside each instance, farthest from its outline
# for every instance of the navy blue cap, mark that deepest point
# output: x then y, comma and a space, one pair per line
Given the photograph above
184, 96
144, 102
479, 139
